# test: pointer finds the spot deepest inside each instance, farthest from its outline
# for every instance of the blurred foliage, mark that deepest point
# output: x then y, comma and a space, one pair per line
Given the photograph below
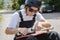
46, 1
56, 4
21, 2
2, 4
0, 17
15, 6
17, 3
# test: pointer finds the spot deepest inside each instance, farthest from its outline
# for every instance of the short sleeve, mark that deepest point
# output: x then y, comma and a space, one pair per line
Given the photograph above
39, 17
14, 20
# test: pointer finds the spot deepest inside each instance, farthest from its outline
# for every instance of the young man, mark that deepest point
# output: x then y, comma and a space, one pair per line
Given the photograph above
23, 24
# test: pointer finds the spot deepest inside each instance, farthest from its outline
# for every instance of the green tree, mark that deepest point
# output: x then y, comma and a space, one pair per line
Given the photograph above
15, 6
2, 4
47, 1
17, 3
56, 3
20, 2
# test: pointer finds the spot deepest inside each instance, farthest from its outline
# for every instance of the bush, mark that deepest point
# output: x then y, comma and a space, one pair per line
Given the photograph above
2, 4
15, 6
20, 2
56, 3
17, 3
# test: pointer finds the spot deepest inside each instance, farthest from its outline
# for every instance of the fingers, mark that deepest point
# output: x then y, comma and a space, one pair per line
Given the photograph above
24, 31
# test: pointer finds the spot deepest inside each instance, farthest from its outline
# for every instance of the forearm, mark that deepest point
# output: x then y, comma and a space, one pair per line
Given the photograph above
46, 24
40, 25
11, 31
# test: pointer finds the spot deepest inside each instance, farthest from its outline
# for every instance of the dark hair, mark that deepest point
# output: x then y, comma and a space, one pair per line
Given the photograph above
35, 3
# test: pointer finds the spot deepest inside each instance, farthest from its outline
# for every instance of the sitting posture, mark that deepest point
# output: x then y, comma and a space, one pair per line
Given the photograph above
23, 25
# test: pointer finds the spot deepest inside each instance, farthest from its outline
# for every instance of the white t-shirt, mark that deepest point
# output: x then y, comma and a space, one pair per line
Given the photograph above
15, 19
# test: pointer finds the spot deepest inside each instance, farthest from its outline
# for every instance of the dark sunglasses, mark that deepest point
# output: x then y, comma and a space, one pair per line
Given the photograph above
32, 10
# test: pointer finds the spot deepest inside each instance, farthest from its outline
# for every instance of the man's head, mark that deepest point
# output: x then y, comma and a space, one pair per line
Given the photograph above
32, 6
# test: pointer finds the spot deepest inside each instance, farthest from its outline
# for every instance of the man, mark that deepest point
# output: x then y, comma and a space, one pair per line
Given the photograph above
28, 23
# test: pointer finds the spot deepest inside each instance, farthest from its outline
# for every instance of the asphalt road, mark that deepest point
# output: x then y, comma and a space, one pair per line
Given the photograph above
54, 18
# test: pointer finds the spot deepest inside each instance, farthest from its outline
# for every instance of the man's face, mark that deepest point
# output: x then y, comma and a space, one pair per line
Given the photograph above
32, 10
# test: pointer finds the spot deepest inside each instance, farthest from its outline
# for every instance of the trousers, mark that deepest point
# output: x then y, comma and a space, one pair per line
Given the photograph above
52, 35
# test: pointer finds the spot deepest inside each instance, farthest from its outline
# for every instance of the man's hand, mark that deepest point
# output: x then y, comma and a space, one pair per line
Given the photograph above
24, 31
42, 25
47, 29
37, 26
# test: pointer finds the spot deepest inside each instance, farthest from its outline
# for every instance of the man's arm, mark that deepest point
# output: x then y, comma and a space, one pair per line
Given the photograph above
38, 25
42, 22
23, 31
11, 31
45, 23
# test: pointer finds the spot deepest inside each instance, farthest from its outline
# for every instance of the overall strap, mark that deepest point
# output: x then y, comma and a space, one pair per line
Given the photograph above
34, 17
20, 15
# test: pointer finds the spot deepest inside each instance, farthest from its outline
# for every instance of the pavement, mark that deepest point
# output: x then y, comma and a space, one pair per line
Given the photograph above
53, 18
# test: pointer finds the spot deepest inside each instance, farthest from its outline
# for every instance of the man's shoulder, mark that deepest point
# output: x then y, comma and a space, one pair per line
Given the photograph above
22, 10
38, 13
15, 14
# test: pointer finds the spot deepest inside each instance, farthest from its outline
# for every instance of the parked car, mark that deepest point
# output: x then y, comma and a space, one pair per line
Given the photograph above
46, 8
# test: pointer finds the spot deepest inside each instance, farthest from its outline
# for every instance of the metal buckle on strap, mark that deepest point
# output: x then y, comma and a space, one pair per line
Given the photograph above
19, 34
31, 31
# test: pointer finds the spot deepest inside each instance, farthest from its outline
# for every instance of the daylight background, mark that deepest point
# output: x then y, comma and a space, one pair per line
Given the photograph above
8, 7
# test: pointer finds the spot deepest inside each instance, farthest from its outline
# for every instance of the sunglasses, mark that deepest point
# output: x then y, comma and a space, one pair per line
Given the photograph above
32, 10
